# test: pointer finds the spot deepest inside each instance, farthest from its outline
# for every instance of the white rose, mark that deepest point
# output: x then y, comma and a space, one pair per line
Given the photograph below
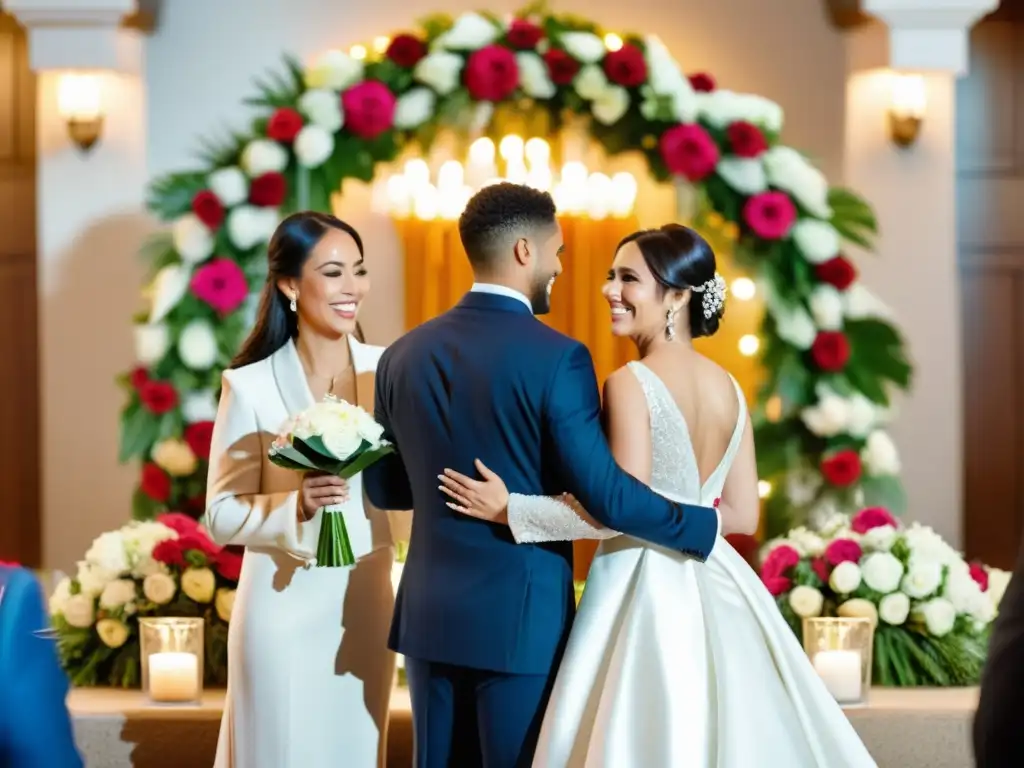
585, 47
829, 417
197, 345
151, 343
59, 599
858, 608
894, 608
117, 593
926, 545
998, 580
225, 603
322, 108
533, 76
863, 415
168, 288
859, 303
590, 82
882, 572
827, 308
611, 105
817, 240
79, 611
441, 70
880, 455
198, 584
845, 578
665, 78
745, 175
199, 405
790, 171
470, 32
107, 552
229, 185
249, 226
159, 588
174, 457
722, 107
879, 539
794, 326
192, 239
922, 579
334, 70
313, 146
112, 632
805, 601
414, 108
965, 594
939, 616
264, 156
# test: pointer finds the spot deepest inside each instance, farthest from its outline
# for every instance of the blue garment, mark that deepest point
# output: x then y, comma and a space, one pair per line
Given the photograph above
35, 726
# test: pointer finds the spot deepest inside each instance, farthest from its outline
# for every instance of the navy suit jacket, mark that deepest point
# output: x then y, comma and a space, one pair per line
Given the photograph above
487, 380
35, 727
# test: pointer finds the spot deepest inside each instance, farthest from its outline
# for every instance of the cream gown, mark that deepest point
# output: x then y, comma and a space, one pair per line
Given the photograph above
673, 663
309, 672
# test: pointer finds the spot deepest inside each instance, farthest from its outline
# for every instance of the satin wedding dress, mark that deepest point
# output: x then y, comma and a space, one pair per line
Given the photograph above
673, 663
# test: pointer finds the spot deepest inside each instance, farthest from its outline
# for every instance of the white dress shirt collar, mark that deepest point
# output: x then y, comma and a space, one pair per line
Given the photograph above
501, 290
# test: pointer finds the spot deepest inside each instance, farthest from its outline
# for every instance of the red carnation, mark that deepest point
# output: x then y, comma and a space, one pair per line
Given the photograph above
980, 575
524, 35
777, 585
177, 522
208, 208
746, 139
872, 517
155, 483
158, 396
492, 73
769, 215
169, 552
229, 565
842, 468
369, 109
689, 151
830, 351
702, 82
284, 125
138, 377
199, 436
406, 50
626, 66
820, 567
843, 551
268, 190
561, 66
779, 561
838, 272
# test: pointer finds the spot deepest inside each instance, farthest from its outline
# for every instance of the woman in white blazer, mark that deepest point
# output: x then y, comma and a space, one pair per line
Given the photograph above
309, 671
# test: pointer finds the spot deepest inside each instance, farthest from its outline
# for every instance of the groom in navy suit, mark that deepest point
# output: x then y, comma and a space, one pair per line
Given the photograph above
481, 620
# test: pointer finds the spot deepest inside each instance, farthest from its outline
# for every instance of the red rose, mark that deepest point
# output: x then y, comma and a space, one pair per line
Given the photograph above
769, 215
702, 82
406, 50
369, 109
626, 66
777, 585
842, 468
169, 552
138, 377
177, 522
689, 151
820, 567
199, 436
158, 396
830, 351
194, 506
561, 66
198, 541
779, 561
284, 125
745, 545
524, 35
837, 272
155, 483
872, 517
746, 139
208, 208
491, 73
843, 551
229, 565
268, 190
980, 575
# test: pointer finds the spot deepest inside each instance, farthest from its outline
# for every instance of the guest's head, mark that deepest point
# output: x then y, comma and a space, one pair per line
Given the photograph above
512, 238
660, 278
316, 281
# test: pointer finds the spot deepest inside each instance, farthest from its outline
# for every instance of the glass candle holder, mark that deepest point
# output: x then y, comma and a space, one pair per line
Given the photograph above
171, 654
840, 651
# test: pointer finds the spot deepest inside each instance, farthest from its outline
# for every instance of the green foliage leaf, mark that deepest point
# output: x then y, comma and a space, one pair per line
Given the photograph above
852, 217
139, 430
171, 196
884, 491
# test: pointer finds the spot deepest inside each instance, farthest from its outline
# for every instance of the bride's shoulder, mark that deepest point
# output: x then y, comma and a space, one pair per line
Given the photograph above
623, 390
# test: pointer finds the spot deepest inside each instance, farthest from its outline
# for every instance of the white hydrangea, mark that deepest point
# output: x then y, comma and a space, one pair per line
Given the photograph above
879, 539
108, 554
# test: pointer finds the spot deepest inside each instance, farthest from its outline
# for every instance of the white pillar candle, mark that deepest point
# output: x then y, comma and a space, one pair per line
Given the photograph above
841, 673
173, 677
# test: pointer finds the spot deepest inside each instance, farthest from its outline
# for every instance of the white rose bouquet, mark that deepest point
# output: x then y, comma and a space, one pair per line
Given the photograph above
932, 610
337, 438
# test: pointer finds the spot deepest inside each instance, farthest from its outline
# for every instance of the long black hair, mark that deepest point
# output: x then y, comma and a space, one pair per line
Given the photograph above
290, 247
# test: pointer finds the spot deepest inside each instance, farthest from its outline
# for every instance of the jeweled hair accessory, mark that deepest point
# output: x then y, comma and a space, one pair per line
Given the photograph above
714, 295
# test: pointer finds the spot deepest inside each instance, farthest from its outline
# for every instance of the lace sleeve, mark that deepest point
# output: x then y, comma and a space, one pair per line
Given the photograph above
535, 519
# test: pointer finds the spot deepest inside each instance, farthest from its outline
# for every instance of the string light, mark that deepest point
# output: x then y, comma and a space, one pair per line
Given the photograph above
764, 489
743, 288
612, 41
357, 52
749, 345
381, 43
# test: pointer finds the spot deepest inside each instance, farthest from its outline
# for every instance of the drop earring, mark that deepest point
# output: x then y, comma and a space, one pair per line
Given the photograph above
670, 324
294, 305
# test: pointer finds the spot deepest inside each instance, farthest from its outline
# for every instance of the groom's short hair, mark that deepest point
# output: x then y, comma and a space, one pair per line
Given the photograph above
499, 215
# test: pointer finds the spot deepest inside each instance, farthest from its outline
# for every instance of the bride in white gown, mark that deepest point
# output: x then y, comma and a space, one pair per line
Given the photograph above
673, 663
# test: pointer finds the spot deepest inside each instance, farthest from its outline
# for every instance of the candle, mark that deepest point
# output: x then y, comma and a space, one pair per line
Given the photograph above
174, 677
841, 672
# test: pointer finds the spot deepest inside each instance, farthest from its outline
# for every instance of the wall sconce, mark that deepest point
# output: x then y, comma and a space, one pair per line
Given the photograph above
906, 109
78, 102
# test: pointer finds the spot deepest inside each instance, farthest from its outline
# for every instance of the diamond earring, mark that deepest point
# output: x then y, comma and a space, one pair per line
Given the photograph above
670, 324
294, 306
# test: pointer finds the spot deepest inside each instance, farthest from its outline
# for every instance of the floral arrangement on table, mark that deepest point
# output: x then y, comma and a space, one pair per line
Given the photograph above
829, 347
166, 567
932, 610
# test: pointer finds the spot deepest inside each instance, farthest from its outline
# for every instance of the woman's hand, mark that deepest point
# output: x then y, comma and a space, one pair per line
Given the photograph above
320, 490
485, 499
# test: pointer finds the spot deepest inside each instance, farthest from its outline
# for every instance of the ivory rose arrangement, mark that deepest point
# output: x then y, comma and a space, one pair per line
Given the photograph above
167, 567
932, 610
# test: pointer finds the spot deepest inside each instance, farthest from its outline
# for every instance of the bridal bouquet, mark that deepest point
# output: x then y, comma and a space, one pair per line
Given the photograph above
932, 610
337, 438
